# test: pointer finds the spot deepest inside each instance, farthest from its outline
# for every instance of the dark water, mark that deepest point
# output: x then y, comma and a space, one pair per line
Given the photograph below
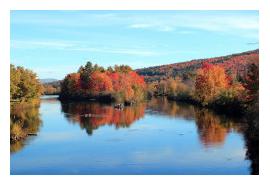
158, 137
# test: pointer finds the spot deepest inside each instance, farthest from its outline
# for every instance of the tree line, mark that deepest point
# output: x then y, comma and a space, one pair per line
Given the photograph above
211, 85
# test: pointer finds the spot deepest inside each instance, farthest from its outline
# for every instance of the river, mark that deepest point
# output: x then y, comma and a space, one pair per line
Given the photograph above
156, 137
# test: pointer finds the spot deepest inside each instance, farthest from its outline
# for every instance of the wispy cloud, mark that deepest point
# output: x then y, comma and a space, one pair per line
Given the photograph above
141, 26
79, 46
230, 22
128, 51
19, 44
253, 43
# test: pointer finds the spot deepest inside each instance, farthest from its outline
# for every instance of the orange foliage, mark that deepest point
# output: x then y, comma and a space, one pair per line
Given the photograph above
102, 115
100, 83
210, 128
120, 84
210, 81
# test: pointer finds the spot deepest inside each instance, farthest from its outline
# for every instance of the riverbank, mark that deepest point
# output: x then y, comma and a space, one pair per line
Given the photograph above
234, 108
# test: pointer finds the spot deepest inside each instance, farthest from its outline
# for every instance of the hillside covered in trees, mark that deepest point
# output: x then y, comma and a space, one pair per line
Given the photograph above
51, 88
235, 65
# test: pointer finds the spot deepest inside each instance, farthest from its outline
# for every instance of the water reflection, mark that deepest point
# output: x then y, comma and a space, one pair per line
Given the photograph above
211, 129
171, 108
92, 115
251, 135
24, 120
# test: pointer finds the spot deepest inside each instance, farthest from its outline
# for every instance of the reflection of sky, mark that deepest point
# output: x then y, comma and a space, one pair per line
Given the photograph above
152, 145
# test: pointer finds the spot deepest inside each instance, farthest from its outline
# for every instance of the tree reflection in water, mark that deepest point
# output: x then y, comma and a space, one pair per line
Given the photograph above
92, 115
212, 127
27, 119
251, 135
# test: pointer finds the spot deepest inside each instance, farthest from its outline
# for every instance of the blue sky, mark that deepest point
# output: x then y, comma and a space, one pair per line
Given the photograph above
54, 43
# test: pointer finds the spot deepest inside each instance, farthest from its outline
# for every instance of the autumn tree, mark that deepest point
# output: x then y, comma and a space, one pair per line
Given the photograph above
85, 72
172, 86
127, 86
100, 83
70, 86
24, 84
152, 88
252, 86
210, 81
122, 68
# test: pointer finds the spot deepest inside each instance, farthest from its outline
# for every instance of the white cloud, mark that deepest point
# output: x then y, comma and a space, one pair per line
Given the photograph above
79, 46
236, 24
157, 27
231, 22
41, 44
141, 26
128, 51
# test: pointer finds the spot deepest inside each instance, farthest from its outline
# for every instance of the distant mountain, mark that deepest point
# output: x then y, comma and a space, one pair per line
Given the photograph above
49, 80
235, 65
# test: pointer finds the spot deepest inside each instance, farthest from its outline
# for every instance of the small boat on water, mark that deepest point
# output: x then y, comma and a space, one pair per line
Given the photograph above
119, 106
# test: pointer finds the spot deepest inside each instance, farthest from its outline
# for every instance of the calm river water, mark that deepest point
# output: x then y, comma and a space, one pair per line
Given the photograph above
157, 137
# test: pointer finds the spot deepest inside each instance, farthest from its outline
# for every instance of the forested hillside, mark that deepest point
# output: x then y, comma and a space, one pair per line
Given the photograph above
235, 66
51, 88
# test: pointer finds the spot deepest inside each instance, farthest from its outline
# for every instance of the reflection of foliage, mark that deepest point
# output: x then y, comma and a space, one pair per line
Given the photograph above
252, 143
91, 115
212, 128
24, 119
16, 146
172, 108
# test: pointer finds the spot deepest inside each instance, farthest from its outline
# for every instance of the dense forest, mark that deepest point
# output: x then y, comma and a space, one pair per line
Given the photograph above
120, 84
235, 65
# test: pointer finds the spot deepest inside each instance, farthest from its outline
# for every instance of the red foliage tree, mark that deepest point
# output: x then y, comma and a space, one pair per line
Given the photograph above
100, 83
